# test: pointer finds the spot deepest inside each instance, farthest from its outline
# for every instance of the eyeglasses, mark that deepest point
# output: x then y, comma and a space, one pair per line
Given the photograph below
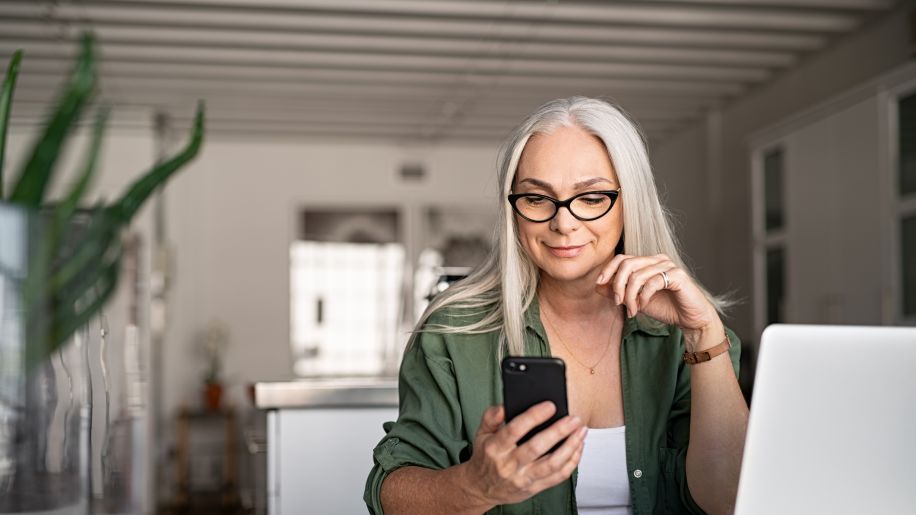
587, 206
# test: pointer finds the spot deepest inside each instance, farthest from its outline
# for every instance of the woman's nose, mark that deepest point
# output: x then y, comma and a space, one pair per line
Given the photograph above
564, 221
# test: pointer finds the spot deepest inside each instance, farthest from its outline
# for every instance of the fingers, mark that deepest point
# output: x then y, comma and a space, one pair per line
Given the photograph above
653, 285
492, 420
626, 277
611, 268
627, 266
638, 279
512, 473
559, 465
522, 424
546, 439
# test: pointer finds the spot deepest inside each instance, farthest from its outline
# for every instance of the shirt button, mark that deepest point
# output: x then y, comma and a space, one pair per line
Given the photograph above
637, 473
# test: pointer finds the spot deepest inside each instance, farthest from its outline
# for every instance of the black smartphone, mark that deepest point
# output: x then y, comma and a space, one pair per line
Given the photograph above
528, 381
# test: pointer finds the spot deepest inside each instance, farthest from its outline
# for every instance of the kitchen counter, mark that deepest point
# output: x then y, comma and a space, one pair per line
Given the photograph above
328, 393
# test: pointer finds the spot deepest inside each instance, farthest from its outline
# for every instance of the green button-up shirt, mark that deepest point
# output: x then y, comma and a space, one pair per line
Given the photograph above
446, 382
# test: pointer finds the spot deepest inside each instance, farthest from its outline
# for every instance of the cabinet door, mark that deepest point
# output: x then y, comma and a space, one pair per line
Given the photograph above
319, 458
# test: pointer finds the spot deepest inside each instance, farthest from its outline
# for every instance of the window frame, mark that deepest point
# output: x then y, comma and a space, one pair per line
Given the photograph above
764, 240
900, 206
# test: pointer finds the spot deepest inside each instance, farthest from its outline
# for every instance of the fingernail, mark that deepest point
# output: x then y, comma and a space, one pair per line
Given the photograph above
617, 299
601, 278
583, 432
629, 313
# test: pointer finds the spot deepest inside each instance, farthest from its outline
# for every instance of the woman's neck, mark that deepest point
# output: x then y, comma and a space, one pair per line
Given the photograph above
572, 301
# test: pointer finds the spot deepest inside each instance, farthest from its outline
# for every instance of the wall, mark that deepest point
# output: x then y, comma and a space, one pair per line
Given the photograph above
721, 178
680, 171
230, 223
833, 230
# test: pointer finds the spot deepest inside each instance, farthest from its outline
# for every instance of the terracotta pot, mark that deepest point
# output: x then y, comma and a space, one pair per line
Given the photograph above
213, 396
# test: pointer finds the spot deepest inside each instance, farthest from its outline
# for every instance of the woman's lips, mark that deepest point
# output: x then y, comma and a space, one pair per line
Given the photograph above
566, 252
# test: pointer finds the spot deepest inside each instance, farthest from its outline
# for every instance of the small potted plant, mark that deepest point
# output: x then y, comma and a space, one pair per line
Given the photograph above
213, 344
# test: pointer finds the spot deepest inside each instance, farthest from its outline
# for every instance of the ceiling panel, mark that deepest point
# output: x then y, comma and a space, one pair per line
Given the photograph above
416, 70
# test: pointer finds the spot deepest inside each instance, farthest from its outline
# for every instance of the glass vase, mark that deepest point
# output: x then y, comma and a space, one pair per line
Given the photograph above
44, 401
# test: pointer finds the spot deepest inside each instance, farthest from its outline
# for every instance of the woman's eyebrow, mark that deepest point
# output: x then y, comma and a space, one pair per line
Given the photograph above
591, 182
579, 185
537, 183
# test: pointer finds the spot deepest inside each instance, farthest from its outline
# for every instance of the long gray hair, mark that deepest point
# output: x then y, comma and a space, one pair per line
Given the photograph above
502, 288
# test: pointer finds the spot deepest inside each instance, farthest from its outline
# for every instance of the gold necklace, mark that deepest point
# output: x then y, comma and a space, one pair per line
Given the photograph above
591, 369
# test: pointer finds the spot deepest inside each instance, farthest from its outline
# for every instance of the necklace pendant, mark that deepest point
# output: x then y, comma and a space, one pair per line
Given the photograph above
592, 370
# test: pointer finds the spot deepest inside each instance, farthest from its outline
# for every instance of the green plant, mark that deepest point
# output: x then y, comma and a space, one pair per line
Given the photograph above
212, 343
71, 276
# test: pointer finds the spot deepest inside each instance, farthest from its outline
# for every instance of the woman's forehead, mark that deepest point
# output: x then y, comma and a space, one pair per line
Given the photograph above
567, 155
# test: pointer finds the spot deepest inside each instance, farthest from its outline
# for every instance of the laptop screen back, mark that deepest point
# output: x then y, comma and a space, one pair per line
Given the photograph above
832, 424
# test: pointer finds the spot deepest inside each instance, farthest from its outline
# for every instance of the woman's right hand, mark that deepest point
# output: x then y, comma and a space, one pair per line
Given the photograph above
502, 472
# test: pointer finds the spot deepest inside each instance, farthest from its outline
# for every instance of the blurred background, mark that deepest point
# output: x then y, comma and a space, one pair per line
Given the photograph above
348, 174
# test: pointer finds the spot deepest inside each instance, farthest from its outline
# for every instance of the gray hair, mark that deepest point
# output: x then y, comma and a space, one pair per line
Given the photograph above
502, 288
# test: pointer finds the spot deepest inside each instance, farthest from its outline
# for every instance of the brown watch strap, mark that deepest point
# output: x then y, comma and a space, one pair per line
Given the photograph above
692, 358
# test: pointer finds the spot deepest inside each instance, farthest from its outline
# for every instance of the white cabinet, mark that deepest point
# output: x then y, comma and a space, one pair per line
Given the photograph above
319, 450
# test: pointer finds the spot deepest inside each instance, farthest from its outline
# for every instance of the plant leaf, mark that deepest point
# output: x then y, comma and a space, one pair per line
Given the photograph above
33, 182
76, 317
70, 316
140, 190
93, 244
75, 293
58, 297
6, 102
73, 309
66, 208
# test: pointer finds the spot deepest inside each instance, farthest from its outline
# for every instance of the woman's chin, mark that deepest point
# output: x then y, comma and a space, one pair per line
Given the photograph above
569, 272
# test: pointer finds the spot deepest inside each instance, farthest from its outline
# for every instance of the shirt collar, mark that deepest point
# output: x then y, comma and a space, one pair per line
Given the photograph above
640, 323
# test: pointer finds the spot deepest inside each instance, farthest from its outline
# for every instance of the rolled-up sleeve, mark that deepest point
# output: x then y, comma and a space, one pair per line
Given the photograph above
673, 464
429, 430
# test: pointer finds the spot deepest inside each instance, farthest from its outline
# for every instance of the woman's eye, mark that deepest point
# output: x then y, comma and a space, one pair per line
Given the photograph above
534, 201
593, 200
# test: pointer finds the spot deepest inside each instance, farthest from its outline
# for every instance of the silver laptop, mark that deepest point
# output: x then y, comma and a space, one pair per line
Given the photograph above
833, 423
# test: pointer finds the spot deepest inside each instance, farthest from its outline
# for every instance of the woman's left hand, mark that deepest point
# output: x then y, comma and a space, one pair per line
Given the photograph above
637, 282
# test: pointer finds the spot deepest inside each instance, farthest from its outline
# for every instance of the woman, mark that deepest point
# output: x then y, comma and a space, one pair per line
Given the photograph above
585, 269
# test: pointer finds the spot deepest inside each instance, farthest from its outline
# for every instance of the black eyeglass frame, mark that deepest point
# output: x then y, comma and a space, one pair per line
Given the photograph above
557, 204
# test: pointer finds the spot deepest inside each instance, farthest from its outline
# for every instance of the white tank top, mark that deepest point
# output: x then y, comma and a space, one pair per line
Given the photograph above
603, 484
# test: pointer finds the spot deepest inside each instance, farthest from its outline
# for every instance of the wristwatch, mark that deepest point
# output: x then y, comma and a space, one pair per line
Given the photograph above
692, 358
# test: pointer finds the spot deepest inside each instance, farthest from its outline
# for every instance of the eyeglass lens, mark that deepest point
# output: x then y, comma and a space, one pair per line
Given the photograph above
537, 207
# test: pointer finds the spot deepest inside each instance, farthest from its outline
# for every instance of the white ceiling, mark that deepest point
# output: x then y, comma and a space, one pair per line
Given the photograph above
414, 70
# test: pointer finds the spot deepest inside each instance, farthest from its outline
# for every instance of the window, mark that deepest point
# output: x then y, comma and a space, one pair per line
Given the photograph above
906, 123
770, 239
908, 258
775, 284
772, 180
346, 273
906, 204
